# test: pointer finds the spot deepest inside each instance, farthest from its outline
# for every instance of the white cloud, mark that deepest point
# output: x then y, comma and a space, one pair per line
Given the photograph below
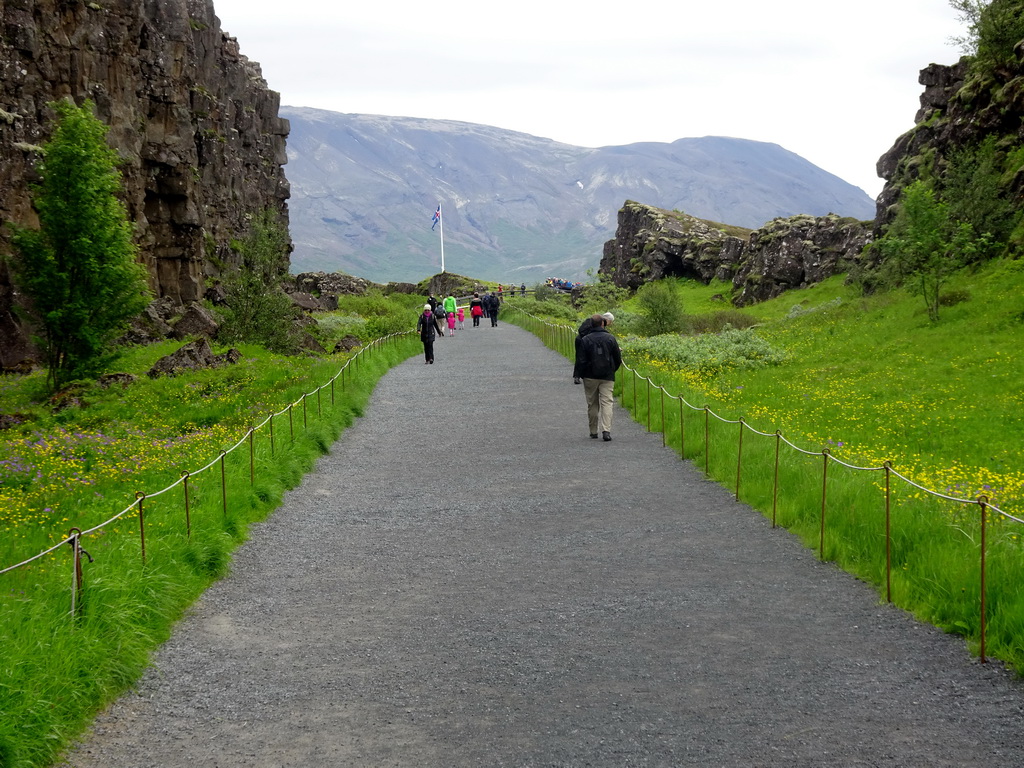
835, 85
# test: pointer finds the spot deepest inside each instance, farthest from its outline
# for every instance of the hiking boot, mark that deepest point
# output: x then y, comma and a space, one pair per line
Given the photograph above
606, 435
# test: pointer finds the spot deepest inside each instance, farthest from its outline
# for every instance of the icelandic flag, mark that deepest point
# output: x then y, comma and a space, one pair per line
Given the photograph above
437, 217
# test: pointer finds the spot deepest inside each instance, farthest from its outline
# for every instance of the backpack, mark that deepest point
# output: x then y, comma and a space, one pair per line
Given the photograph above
439, 312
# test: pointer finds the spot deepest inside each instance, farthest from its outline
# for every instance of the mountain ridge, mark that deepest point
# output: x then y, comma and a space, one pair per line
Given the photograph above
516, 207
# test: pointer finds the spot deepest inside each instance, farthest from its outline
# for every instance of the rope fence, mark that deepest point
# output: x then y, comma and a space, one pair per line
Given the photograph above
561, 339
75, 535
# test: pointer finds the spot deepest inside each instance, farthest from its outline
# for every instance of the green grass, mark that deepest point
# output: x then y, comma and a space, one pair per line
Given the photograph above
872, 380
80, 466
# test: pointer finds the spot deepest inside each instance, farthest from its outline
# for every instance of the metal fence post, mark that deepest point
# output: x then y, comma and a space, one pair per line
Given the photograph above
188, 512
983, 504
139, 496
739, 460
824, 487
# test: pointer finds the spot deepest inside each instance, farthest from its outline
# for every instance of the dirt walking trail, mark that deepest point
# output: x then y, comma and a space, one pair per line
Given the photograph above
469, 580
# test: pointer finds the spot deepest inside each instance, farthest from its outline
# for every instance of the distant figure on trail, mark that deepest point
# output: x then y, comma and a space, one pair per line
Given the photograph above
432, 302
476, 309
462, 318
501, 296
597, 359
493, 305
428, 327
522, 290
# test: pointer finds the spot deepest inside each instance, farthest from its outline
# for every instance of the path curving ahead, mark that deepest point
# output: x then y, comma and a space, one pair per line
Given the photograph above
468, 579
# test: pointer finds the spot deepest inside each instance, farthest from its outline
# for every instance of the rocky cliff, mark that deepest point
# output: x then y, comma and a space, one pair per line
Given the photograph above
652, 243
197, 128
963, 106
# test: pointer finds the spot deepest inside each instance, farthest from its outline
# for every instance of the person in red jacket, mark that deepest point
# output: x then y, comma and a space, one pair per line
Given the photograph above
476, 309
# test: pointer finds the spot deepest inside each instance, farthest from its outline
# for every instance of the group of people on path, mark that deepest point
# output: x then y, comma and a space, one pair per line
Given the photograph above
597, 352
435, 313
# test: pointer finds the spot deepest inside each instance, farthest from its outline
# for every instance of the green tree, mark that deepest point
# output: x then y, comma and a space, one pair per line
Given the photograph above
994, 27
973, 187
80, 268
925, 245
259, 311
663, 312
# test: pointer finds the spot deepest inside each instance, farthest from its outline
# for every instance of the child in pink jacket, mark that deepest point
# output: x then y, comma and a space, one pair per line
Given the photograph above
451, 323
462, 318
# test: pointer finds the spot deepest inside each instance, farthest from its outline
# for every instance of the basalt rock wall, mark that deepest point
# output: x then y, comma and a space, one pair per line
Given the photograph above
193, 120
652, 243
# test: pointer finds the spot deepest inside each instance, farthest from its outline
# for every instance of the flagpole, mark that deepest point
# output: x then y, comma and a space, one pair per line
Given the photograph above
440, 220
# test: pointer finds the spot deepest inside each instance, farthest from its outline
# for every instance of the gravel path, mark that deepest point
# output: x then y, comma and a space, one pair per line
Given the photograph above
527, 596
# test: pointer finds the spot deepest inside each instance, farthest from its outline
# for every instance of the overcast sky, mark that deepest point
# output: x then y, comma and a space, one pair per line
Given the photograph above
834, 82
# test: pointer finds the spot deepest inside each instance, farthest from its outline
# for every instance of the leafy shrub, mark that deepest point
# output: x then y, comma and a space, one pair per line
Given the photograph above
954, 297
716, 322
798, 310
661, 308
557, 308
543, 292
259, 312
603, 296
708, 354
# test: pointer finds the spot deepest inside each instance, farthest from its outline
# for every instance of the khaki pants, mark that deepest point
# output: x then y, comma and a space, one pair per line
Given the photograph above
599, 404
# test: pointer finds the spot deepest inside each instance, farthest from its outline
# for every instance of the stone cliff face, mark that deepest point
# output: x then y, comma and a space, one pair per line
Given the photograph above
959, 109
651, 243
192, 118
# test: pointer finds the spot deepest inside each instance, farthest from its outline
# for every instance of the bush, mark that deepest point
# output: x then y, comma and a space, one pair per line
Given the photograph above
954, 297
259, 312
662, 311
708, 354
716, 322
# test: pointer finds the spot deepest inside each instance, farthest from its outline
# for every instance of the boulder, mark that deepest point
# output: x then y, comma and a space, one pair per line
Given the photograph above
197, 321
123, 380
194, 356
308, 343
306, 302
148, 327
347, 344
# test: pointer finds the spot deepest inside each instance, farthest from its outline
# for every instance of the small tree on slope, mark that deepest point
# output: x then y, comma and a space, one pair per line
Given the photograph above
79, 268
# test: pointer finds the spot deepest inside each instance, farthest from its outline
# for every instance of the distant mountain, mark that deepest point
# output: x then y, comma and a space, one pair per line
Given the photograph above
516, 208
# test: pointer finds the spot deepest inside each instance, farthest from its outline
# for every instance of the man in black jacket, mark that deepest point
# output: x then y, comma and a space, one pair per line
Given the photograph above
597, 359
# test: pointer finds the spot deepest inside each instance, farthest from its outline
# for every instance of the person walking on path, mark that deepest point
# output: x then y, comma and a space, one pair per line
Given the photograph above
462, 318
476, 309
451, 323
585, 327
597, 360
428, 328
493, 305
449, 304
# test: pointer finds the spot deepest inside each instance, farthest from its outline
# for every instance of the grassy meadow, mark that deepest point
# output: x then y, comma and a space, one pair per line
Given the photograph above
871, 379
80, 459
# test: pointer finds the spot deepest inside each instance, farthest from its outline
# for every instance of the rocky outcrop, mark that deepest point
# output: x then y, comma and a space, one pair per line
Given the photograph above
652, 243
959, 108
193, 119
796, 252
